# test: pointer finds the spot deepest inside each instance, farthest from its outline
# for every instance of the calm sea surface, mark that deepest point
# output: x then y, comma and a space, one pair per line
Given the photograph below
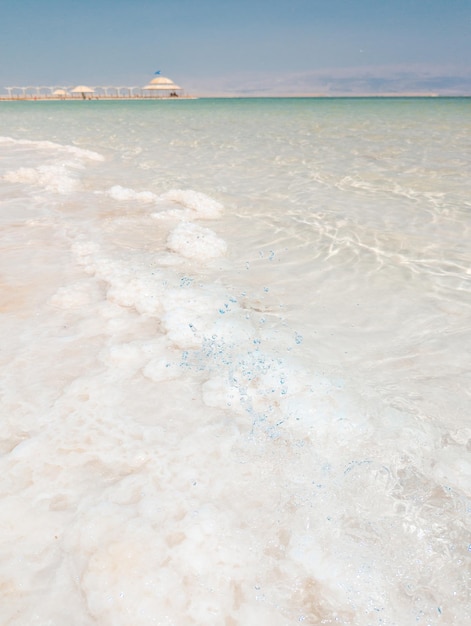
235, 362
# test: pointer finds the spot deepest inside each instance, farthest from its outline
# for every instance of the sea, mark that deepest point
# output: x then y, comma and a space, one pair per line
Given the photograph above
235, 357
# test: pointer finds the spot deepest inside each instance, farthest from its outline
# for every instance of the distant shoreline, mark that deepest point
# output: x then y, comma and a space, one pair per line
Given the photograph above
229, 96
93, 99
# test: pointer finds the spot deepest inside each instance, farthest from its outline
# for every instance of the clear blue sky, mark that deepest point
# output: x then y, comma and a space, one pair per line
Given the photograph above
244, 46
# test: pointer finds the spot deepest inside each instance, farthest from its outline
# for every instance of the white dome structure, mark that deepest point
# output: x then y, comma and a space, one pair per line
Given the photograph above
162, 83
161, 80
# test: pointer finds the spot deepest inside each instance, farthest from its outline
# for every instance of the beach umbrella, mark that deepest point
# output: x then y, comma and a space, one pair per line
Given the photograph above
60, 92
83, 89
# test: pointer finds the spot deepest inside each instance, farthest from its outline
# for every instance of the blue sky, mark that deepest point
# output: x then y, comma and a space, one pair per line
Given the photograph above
241, 46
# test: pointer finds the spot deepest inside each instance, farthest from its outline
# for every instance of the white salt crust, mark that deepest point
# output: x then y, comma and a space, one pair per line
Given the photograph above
179, 444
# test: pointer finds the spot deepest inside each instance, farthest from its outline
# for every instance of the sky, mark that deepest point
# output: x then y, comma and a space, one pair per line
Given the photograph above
241, 47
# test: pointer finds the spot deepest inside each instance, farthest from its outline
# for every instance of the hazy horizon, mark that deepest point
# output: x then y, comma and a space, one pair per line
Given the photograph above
214, 48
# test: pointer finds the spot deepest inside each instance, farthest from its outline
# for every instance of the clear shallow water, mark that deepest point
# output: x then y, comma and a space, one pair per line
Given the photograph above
235, 362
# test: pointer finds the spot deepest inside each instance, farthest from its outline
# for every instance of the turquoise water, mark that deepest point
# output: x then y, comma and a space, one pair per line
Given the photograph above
236, 356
